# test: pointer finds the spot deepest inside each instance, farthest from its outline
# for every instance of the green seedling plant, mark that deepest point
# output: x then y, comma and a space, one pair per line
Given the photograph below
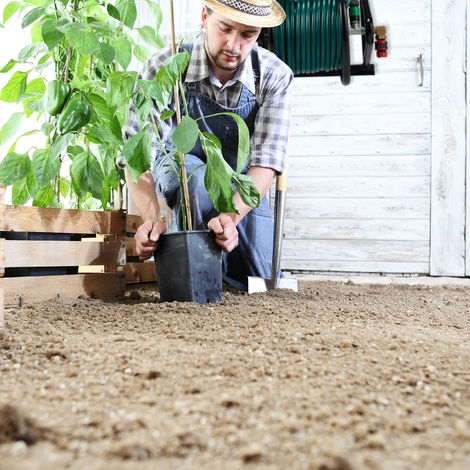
220, 179
73, 81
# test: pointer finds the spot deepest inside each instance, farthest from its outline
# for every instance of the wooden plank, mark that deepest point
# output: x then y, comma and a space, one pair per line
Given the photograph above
356, 208
345, 266
44, 219
402, 59
402, 33
356, 250
140, 272
467, 223
32, 289
356, 229
355, 103
26, 253
2, 257
130, 246
384, 165
355, 187
133, 222
387, 144
449, 139
384, 11
2, 307
399, 81
360, 124
2, 205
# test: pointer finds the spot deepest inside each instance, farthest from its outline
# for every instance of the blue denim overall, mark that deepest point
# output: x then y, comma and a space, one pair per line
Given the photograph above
253, 256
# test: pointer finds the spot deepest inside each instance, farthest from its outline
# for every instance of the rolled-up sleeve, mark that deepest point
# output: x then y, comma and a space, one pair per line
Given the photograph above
268, 146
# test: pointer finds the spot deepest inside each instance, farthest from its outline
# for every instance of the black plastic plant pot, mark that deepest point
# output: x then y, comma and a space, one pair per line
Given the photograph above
189, 267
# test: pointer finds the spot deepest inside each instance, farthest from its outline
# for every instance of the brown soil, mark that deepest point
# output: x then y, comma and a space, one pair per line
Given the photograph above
336, 377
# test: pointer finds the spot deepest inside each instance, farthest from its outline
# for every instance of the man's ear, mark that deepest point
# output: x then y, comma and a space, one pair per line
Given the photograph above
204, 17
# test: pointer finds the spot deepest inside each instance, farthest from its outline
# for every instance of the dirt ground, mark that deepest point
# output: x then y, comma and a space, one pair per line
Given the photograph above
339, 376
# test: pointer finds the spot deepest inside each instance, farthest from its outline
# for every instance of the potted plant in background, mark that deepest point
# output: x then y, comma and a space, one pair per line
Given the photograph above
74, 78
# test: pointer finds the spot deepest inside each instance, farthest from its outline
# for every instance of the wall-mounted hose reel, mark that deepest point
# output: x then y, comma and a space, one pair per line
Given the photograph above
314, 39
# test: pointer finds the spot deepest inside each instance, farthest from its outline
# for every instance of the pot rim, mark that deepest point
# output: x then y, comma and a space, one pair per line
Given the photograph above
186, 231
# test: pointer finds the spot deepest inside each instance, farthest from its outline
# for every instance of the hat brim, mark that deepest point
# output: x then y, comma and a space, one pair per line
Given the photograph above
275, 18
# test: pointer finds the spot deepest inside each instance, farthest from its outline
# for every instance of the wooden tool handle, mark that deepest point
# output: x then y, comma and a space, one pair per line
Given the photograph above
281, 180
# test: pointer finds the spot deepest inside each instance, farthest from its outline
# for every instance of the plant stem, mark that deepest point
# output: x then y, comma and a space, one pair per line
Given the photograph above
184, 175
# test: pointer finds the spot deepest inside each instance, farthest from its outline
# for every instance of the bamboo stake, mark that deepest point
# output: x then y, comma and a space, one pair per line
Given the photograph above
184, 175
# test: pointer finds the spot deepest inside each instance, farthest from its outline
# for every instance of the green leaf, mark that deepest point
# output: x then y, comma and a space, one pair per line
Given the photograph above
148, 34
157, 13
101, 135
243, 139
6, 68
33, 105
218, 178
15, 87
123, 50
136, 151
28, 51
247, 189
10, 9
105, 53
44, 197
35, 91
14, 167
167, 77
166, 115
64, 186
143, 111
50, 32
85, 42
36, 32
11, 127
105, 116
60, 144
47, 128
24, 190
113, 11
141, 53
185, 135
32, 16
45, 166
87, 176
127, 12
73, 151
119, 88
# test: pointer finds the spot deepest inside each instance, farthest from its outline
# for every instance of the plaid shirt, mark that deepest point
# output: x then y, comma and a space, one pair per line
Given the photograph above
273, 92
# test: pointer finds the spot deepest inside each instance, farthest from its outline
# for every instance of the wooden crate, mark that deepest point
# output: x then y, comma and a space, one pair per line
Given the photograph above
101, 273
136, 271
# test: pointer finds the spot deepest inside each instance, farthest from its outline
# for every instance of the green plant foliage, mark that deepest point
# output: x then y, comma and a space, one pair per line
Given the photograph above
87, 47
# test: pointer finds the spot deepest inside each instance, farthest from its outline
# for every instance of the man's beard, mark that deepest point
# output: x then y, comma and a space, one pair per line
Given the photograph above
217, 61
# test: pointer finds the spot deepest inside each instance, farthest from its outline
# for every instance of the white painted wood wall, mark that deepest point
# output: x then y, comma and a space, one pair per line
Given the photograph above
359, 179
377, 172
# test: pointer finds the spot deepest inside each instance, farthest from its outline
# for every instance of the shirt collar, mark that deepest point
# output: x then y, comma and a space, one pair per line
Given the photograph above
199, 68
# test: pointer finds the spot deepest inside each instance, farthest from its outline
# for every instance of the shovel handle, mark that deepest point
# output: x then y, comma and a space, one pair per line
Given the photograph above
281, 180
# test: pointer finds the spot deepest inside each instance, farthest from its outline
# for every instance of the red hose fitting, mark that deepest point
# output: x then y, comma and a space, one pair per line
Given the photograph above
381, 45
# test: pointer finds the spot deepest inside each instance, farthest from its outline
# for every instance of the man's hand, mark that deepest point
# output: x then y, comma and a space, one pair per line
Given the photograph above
147, 236
225, 231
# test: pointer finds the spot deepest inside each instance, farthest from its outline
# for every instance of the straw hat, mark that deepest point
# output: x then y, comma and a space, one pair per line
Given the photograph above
259, 13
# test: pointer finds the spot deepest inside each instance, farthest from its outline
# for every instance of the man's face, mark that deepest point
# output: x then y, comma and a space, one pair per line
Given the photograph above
228, 43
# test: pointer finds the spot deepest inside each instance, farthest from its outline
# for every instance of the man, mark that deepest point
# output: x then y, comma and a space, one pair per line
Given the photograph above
227, 72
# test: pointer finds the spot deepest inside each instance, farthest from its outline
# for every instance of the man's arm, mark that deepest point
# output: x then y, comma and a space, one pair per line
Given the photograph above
145, 198
224, 226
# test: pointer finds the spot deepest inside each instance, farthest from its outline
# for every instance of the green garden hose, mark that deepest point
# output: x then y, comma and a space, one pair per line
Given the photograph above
310, 40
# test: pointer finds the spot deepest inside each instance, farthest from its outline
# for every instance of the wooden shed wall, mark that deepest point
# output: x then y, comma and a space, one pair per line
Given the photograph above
359, 184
